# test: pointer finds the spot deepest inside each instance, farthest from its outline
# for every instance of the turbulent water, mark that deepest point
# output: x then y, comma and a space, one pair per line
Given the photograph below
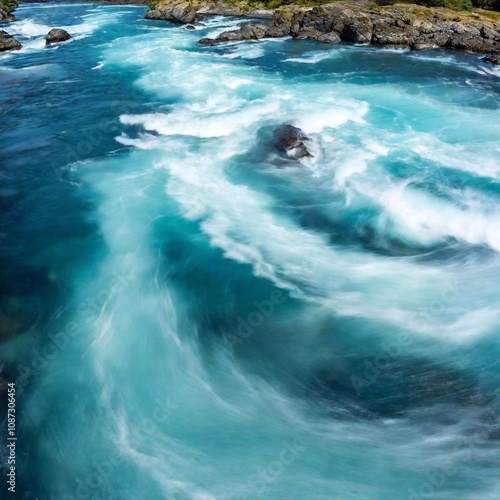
194, 316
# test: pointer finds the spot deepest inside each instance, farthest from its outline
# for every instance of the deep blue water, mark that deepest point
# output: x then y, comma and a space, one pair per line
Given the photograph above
188, 315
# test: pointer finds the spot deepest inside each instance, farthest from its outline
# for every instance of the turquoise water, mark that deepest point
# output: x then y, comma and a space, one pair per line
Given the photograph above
198, 317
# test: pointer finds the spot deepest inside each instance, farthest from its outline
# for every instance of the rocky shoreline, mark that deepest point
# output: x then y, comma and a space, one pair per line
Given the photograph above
406, 26
5, 16
115, 2
6, 9
8, 42
397, 26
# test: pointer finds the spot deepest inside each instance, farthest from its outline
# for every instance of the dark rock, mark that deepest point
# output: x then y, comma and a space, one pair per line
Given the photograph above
397, 25
207, 41
357, 31
234, 36
56, 35
328, 38
329, 23
252, 32
290, 140
471, 43
277, 31
155, 15
394, 26
176, 12
5, 16
247, 32
492, 59
8, 42
184, 13
387, 32
282, 21
189, 27
310, 23
430, 41
261, 14
351, 25
487, 32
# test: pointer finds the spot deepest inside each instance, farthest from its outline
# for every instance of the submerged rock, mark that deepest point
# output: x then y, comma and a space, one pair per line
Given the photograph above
8, 42
291, 140
56, 35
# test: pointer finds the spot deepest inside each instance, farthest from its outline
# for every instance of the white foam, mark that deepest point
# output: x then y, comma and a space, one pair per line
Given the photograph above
225, 105
32, 34
246, 51
333, 113
421, 218
182, 121
28, 28
459, 156
144, 335
315, 57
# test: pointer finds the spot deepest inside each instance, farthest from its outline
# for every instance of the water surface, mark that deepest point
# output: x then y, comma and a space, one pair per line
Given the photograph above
199, 317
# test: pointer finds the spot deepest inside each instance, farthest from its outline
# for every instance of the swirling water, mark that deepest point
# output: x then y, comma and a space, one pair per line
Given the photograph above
197, 317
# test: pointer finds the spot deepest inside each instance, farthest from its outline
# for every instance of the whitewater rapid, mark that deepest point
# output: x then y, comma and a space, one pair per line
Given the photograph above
244, 326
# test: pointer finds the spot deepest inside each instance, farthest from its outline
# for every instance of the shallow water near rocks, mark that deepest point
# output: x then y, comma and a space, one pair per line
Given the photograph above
192, 316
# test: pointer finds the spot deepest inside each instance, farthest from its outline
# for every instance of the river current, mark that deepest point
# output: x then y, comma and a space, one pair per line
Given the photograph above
191, 315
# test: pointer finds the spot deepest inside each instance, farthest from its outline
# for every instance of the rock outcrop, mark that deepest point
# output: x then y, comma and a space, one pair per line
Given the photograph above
397, 26
8, 42
56, 35
189, 11
6, 9
247, 32
5, 16
177, 12
492, 59
291, 141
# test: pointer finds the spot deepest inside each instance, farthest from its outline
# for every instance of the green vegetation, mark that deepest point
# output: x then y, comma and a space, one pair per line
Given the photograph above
487, 4
464, 5
8, 5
